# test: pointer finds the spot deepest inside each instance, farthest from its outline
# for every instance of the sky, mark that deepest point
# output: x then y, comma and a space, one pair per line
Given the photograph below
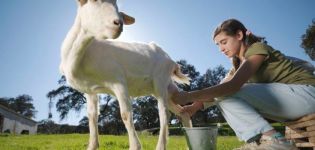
31, 33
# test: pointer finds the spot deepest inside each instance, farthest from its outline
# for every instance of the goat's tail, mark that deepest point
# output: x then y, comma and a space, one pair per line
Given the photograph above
179, 77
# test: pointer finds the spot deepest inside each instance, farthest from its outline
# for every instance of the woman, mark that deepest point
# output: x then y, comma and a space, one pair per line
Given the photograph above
263, 83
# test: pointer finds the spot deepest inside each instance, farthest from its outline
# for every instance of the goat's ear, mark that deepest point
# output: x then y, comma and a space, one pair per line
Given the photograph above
128, 20
82, 2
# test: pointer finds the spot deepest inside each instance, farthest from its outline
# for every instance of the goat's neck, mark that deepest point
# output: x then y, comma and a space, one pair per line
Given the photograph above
78, 49
69, 40
73, 48
73, 38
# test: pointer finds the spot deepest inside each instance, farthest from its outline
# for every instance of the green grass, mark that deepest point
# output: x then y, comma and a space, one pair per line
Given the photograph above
107, 142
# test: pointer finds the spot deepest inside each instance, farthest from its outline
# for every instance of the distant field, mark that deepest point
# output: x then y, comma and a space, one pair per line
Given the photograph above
107, 142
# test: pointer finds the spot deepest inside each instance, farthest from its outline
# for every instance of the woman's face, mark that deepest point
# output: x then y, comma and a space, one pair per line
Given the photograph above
229, 45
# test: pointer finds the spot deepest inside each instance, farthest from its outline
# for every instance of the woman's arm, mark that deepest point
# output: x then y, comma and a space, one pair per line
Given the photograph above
247, 68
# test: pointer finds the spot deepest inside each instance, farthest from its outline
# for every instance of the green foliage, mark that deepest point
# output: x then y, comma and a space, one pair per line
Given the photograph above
226, 131
308, 41
50, 127
191, 71
107, 142
21, 104
109, 118
145, 113
212, 114
68, 98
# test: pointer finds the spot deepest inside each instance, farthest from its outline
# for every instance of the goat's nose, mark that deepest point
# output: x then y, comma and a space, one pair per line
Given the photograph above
117, 22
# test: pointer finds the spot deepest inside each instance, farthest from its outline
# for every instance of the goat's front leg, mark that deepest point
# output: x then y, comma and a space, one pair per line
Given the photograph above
92, 110
175, 108
121, 93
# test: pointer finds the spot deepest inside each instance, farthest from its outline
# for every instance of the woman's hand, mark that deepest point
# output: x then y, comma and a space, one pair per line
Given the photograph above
181, 98
193, 108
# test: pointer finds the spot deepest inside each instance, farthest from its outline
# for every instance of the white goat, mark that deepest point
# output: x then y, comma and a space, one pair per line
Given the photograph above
94, 64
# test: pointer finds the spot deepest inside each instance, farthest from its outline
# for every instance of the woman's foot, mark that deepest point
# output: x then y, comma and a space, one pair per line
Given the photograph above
271, 143
248, 146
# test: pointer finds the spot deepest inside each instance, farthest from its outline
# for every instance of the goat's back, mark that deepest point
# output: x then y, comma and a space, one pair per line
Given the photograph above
135, 64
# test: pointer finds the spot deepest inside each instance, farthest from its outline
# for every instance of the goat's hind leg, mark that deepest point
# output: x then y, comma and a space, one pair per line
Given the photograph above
92, 110
163, 115
160, 87
184, 117
121, 93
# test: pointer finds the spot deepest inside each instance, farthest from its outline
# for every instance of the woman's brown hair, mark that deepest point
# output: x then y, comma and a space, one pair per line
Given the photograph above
231, 27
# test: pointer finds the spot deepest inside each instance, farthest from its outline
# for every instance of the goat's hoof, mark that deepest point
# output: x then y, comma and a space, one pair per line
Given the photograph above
93, 146
160, 148
135, 147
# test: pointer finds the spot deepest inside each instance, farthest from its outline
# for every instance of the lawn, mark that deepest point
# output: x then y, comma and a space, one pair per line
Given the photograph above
107, 142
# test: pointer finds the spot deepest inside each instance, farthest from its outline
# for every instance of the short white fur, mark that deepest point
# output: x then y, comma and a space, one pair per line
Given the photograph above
94, 63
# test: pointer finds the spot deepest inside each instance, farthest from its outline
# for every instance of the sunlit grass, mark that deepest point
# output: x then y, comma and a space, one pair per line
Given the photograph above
107, 142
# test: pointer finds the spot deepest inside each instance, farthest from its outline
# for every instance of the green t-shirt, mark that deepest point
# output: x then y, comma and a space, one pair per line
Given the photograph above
277, 68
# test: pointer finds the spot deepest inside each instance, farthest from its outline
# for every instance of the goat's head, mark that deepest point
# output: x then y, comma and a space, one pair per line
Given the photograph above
101, 18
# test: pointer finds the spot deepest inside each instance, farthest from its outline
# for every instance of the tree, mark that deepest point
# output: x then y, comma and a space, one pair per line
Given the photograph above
4, 101
48, 127
194, 75
68, 98
22, 104
210, 78
146, 113
308, 41
110, 119
83, 126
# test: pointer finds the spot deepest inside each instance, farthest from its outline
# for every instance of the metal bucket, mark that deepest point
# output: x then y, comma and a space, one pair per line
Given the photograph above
201, 138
